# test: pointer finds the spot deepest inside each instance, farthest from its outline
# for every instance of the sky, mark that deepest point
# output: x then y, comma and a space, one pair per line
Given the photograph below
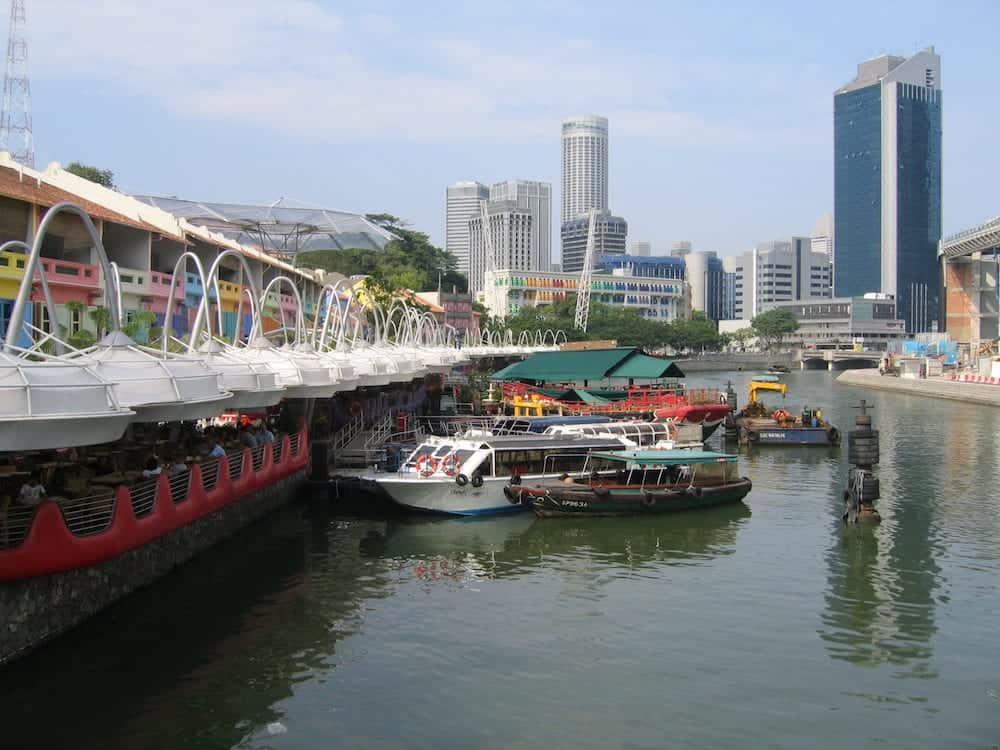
720, 118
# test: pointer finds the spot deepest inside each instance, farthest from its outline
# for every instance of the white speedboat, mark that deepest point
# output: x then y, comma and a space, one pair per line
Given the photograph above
466, 476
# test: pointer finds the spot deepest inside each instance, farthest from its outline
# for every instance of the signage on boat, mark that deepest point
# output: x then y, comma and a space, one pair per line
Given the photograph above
772, 436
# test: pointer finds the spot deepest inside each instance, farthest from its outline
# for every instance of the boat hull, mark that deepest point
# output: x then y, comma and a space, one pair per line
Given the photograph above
773, 434
440, 495
552, 502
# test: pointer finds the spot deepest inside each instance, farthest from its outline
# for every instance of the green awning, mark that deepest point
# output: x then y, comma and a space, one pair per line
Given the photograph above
644, 366
589, 398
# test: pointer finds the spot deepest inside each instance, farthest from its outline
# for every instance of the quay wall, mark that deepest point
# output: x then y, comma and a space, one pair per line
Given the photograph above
937, 387
729, 362
40, 608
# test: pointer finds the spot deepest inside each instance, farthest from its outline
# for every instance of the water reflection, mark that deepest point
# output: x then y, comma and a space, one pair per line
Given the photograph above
206, 657
461, 550
884, 579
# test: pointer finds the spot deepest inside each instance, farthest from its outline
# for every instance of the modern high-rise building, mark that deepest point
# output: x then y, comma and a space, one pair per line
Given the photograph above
822, 236
705, 277
584, 165
537, 198
887, 184
610, 236
462, 203
778, 271
642, 249
510, 238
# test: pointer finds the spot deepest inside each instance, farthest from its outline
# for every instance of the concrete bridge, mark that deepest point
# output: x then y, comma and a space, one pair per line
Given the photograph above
837, 359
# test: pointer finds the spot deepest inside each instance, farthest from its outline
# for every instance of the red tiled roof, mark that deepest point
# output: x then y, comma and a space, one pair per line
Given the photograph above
30, 190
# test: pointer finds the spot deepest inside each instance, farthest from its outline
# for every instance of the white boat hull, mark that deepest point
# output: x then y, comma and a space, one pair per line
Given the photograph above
442, 495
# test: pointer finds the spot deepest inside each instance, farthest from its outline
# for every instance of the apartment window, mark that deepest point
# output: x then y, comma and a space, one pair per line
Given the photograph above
41, 317
75, 321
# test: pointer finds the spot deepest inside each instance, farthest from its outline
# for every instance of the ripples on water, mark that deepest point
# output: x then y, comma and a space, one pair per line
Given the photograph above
766, 624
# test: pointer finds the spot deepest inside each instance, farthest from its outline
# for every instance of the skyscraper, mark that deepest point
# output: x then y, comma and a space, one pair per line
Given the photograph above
462, 203
510, 239
536, 197
777, 271
610, 238
584, 165
887, 184
642, 249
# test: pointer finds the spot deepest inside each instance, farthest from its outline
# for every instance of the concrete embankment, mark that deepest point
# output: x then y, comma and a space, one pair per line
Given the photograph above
736, 362
974, 393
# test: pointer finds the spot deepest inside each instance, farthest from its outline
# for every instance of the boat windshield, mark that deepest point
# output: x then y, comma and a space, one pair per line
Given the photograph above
425, 449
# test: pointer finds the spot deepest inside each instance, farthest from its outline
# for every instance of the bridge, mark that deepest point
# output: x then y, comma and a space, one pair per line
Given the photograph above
837, 359
971, 266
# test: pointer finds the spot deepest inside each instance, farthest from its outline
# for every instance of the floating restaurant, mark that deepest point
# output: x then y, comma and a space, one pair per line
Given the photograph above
163, 385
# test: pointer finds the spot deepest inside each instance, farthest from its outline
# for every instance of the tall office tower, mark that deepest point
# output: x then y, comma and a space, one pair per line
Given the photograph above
642, 249
537, 198
681, 248
510, 236
610, 237
462, 203
584, 165
887, 184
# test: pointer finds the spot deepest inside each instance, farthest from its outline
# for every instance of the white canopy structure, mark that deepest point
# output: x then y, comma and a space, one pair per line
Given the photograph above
53, 403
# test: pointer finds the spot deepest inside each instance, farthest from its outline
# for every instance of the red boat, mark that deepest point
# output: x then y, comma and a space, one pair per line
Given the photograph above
702, 406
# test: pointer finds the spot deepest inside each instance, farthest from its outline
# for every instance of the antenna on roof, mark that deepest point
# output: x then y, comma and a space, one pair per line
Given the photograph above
15, 118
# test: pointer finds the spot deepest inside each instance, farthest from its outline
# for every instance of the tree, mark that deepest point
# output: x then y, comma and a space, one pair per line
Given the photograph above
102, 319
101, 176
409, 260
772, 326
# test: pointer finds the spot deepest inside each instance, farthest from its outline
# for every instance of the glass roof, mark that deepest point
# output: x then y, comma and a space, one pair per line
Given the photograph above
284, 227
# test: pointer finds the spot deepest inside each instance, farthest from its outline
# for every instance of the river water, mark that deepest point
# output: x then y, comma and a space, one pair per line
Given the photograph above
768, 624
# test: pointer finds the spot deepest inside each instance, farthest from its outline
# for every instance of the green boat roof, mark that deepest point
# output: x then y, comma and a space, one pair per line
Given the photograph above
573, 366
665, 457
767, 378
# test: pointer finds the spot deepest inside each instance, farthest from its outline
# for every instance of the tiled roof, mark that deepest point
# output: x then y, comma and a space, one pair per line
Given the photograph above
32, 190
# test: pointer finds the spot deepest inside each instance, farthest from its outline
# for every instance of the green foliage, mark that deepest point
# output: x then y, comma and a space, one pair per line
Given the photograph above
102, 319
82, 339
624, 325
410, 261
140, 327
101, 176
772, 326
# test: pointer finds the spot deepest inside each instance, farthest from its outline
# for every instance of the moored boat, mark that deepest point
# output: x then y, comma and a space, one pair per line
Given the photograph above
636, 482
466, 476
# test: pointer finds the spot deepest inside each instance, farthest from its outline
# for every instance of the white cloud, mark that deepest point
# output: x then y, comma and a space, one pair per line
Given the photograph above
299, 68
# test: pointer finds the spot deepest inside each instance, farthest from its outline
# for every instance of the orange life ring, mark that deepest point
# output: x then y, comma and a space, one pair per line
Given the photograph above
356, 409
425, 464
450, 464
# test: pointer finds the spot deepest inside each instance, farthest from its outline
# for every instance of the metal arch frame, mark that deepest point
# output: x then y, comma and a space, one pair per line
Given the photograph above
300, 323
31, 265
168, 314
213, 278
50, 304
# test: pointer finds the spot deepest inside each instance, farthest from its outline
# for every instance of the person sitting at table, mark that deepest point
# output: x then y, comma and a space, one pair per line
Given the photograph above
216, 451
247, 439
32, 492
177, 466
265, 435
152, 469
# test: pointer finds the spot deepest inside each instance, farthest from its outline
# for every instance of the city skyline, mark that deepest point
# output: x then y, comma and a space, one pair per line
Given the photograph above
733, 123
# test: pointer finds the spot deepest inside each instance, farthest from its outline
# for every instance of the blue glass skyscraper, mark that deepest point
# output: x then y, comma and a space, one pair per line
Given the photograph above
887, 184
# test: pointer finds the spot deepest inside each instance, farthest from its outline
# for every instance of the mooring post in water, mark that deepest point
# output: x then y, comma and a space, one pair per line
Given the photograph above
732, 430
862, 484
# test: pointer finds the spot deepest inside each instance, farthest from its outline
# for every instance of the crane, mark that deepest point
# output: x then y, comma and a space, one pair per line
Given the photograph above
583, 290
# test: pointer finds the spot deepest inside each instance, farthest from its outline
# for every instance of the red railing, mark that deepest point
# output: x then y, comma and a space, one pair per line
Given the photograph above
75, 534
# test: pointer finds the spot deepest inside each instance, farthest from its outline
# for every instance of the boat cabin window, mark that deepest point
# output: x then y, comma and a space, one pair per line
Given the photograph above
426, 448
483, 468
442, 451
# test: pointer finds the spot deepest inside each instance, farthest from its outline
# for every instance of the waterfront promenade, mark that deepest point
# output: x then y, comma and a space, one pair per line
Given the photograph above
938, 387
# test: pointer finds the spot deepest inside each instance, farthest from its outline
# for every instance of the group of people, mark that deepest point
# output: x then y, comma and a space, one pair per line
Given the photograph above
211, 445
